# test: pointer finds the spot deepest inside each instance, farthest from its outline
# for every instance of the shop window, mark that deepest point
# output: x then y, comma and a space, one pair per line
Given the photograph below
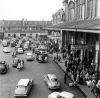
22, 34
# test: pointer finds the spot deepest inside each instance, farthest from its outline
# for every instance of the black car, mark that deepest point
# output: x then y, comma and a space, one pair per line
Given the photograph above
42, 57
3, 67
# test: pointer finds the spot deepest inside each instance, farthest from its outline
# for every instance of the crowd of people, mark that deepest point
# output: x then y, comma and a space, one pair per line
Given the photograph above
83, 73
80, 71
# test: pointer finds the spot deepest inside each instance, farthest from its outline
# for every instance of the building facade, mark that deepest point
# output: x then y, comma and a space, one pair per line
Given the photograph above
56, 34
81, 29
17, 28
82, 24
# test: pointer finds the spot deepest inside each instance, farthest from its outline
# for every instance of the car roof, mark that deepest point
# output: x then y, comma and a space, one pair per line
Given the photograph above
51, 76
54, 94
23, 82
29, 53
67, 94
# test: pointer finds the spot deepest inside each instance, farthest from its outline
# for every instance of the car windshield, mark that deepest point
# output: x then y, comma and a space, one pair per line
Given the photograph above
21, 86
29, 54
60, 96
54, 79
19, 48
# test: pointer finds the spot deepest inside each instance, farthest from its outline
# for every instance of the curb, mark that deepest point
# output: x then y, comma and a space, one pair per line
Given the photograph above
71, 80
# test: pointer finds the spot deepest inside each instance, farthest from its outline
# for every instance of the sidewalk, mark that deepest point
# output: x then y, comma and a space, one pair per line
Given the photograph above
83, 88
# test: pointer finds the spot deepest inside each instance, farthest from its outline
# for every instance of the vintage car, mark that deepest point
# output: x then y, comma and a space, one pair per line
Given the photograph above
6, 50
20, 51
3, 67
42, 57
63, 94
23, 88
52, 81
29, 56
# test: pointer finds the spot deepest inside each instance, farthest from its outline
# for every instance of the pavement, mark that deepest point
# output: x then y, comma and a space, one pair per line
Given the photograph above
83, 88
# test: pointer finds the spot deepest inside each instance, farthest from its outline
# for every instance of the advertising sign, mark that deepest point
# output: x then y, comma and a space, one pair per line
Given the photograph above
78, 47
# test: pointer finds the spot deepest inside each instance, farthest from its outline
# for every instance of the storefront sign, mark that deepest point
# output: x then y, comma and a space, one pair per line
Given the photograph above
78, 47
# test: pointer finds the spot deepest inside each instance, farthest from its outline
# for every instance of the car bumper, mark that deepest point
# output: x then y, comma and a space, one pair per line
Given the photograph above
29, 59
41, 61
20, 52
54, 87
20, 95
3, 71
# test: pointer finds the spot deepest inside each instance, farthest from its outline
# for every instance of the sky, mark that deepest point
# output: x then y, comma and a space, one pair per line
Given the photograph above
29, 9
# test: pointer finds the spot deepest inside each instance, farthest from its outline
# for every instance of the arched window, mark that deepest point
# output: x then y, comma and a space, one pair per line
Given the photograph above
98, 8
89, 8
71, 7
77, 9
80, 9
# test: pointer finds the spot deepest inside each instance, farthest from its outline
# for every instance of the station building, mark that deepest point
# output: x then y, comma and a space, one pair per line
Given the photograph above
80, 30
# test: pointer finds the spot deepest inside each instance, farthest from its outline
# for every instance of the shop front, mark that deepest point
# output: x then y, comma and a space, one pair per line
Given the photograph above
83, 45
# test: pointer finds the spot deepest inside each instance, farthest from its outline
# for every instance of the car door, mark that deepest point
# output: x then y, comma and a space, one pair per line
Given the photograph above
48, 80
27, 89
29, 86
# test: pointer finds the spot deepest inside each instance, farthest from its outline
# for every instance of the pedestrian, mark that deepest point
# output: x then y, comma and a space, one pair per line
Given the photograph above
98, 89
66, 63
65, 76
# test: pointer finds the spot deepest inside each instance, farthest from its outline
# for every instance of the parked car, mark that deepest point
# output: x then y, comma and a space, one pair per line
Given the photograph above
63, 94
29, 56
23, 88
6, 50
20, 51
3, 67
52, 81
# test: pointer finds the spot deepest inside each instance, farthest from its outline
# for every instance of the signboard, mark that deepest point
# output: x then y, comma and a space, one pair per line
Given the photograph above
78, 47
